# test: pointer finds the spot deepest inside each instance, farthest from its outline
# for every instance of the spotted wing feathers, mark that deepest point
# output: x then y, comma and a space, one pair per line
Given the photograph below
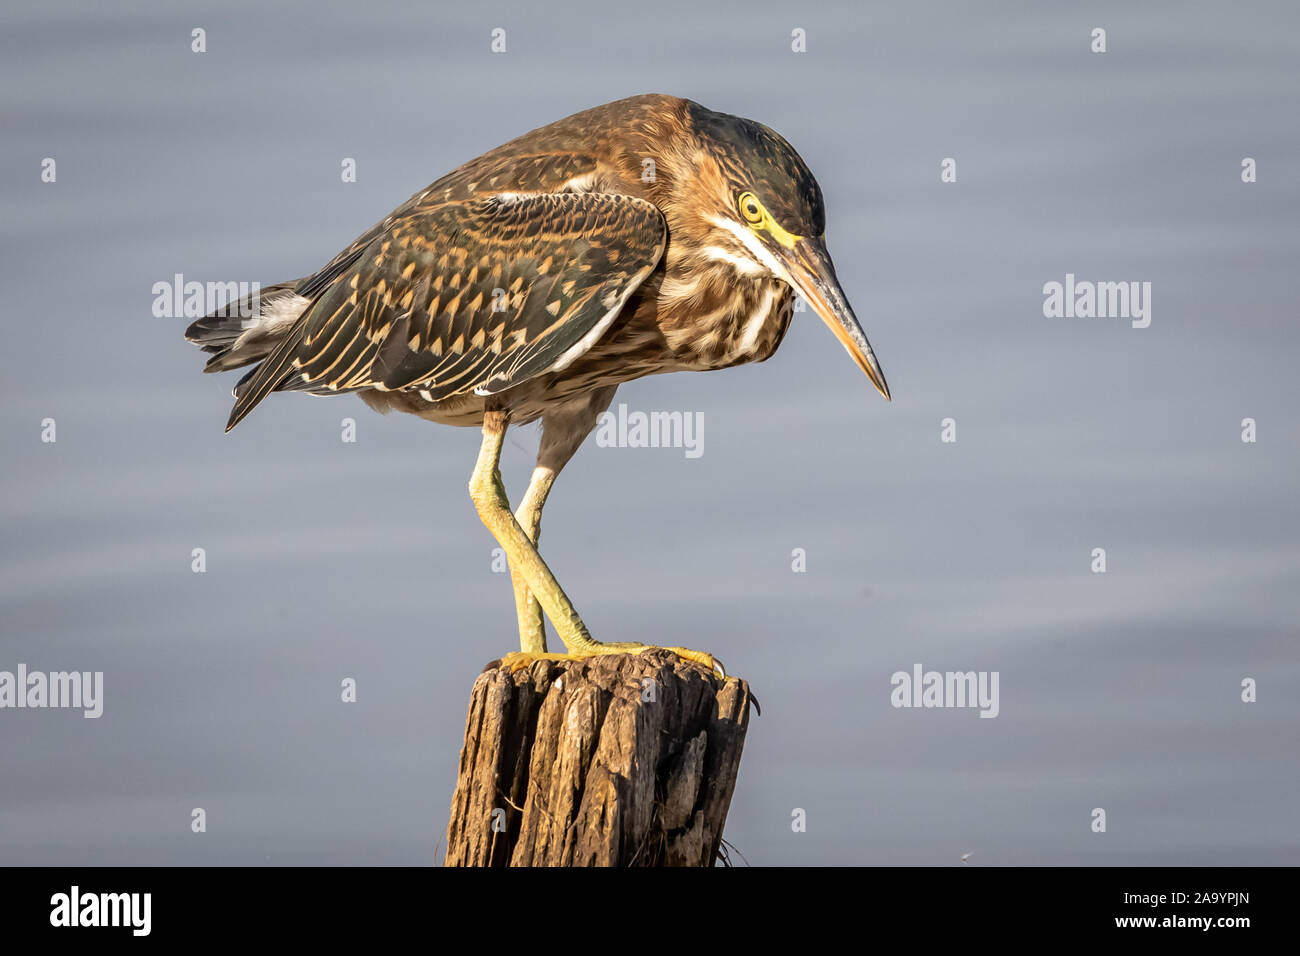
472, 296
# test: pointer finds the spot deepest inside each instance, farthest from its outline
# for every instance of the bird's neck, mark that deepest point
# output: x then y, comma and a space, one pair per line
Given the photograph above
719, 310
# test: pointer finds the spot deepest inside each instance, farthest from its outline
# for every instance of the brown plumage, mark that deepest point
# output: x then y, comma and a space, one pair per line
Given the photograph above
643, 236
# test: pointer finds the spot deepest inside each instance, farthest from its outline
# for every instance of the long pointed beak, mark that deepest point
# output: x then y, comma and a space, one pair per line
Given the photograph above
812, 274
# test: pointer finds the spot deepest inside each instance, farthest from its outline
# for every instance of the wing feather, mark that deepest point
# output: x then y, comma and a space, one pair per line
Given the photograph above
471, 296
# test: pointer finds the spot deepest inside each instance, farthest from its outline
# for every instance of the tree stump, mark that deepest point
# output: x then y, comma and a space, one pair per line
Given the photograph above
621, 760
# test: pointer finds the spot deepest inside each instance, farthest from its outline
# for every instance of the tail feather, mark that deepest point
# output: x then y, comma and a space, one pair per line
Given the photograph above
246, 331
263, 328
264, 379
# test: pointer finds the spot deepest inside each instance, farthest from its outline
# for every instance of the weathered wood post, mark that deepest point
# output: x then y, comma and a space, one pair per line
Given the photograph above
624, 760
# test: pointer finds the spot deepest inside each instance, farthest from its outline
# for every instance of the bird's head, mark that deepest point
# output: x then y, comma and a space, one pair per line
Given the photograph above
761, 210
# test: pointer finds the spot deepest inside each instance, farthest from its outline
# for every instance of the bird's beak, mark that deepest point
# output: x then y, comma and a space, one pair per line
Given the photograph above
812, 274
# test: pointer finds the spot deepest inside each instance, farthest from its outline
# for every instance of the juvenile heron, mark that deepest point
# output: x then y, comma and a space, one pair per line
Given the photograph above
648, 235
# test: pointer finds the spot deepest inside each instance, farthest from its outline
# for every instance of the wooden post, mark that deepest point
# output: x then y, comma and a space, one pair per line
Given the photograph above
622, 760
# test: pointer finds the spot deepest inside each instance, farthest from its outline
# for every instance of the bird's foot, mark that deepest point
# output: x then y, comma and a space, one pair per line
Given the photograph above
518, 660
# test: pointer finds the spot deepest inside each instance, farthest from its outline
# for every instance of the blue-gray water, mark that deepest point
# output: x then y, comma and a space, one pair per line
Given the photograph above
328, 560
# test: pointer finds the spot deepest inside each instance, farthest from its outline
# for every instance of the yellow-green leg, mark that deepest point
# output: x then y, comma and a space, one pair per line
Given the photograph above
489, 495
532, 625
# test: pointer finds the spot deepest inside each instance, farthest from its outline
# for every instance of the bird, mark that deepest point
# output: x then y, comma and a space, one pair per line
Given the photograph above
643, 236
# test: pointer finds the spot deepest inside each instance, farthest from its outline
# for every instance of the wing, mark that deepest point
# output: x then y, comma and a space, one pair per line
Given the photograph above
502, 170
472, 296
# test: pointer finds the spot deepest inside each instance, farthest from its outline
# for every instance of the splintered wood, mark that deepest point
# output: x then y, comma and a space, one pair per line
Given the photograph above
622, 760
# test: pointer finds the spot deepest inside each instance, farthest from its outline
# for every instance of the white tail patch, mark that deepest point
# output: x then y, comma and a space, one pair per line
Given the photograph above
272, 316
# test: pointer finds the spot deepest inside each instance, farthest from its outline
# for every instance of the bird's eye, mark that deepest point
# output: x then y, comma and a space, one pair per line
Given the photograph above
750, 208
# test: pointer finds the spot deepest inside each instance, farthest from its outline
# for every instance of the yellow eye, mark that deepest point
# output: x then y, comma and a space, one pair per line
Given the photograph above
751, 210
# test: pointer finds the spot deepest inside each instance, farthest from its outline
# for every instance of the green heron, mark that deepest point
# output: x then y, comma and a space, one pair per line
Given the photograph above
643, 236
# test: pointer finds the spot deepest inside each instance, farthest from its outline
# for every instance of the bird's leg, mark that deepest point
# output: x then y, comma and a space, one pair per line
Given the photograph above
532, 624
489, 495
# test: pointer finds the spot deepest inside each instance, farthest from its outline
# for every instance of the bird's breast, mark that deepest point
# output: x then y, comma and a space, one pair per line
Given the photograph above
670, 327
719, 322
